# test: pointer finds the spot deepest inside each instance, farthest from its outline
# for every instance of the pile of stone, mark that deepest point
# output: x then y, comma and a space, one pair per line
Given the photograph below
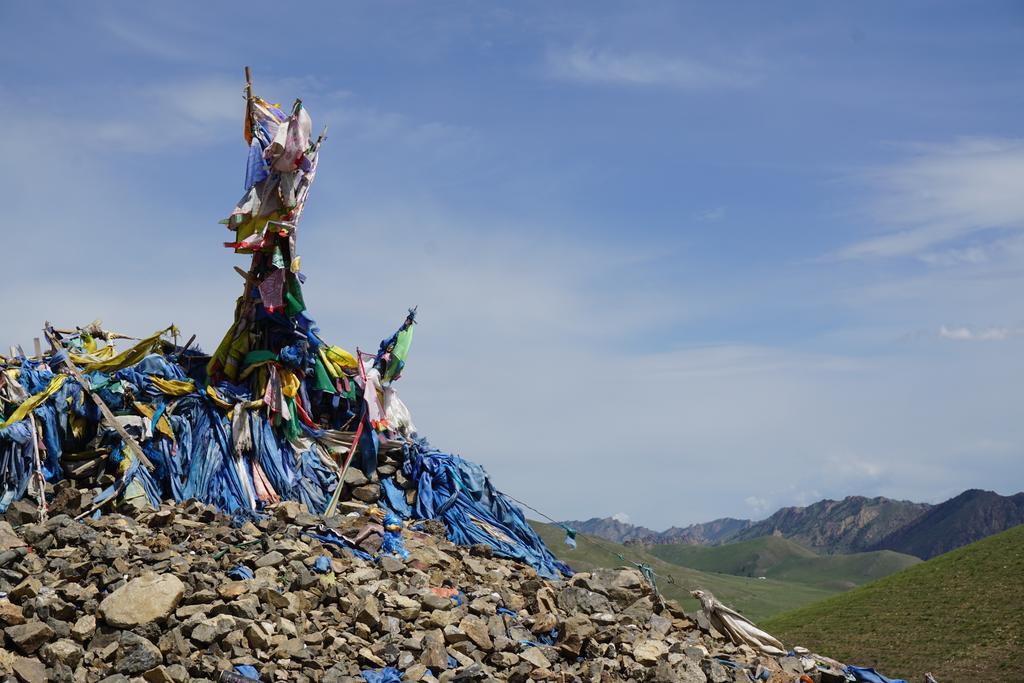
147, 596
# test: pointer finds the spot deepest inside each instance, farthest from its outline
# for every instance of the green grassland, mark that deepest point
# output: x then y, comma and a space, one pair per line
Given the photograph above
755, 598
959, 615
778, 558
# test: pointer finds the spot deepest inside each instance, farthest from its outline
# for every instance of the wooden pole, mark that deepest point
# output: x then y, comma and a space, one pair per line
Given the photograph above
336, 498
38, 476
247, 124
105, 413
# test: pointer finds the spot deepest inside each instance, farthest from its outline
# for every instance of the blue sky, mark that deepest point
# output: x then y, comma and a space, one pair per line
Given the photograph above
673, 260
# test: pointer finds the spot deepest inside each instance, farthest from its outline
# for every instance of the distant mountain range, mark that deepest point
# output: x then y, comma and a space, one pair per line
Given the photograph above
854, 524
969, 517
708, 533
850, 525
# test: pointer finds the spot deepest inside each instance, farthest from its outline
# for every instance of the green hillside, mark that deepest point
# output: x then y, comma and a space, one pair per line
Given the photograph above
779, 558
758, 599
746, 558
959, 615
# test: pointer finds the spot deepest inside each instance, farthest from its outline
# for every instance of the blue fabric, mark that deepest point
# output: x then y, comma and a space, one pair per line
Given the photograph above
200, 461
368, 446
393, 543
322, 565
240, 573
35, 376
452, 489
247, 671
868, 675
315, 482
51, 433
394, 498
337, 540
388, 674
256, 168
16, 462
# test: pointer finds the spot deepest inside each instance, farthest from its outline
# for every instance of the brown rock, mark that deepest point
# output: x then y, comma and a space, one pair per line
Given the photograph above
8, 538
27, 589
367, 494
369, 612
575, 630
158, 674
477, 630
11, 614
29, 670
648, 652
29, 637
535, 657
84, 628
434, 656
232, 589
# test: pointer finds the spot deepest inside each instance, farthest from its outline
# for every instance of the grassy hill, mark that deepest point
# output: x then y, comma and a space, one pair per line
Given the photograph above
779, 558
959, 615
755, 598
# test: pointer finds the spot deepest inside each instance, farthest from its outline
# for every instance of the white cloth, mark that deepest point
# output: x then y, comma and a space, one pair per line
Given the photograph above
737, 627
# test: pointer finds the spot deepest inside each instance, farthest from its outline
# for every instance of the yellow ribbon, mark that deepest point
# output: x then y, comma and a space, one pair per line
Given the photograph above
32, 402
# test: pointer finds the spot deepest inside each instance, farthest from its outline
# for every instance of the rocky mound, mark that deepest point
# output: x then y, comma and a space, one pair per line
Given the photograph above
179, 594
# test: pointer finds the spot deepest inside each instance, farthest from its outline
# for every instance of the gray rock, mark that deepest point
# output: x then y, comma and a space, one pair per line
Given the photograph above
354, 477
63, 651
137, 654
574, 599
271, 559
432, 601
213, 629
147, 598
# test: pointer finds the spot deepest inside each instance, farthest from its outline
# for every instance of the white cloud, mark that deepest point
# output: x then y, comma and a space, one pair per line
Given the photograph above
970, 334
943, 193
711, 215
139, 38
956, 257
757, 505
538, 350
589, 65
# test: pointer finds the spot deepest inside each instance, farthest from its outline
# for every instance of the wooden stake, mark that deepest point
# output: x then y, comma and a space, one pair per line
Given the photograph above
105, 412
332, 507
38, 476
247, 124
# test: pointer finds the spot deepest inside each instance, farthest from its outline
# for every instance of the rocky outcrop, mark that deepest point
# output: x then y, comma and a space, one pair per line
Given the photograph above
969, 517
148, 598
853, 524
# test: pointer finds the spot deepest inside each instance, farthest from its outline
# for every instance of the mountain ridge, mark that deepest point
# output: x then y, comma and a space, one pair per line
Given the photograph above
853, 524
705, 533
963, 519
